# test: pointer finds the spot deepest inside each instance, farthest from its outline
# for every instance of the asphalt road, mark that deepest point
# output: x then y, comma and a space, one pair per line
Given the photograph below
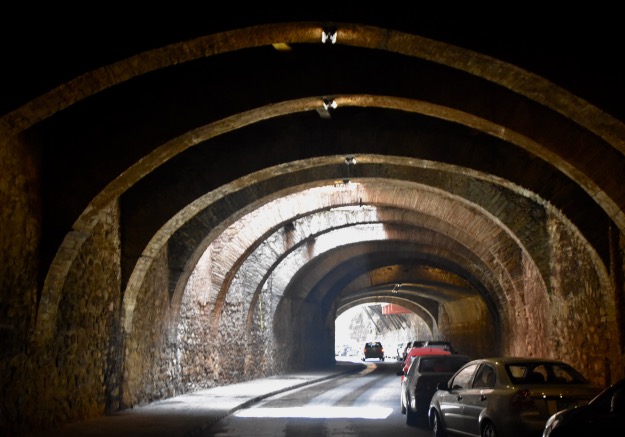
360, 404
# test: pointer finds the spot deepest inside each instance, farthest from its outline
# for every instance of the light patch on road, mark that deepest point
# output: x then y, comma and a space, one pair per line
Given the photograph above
317, 412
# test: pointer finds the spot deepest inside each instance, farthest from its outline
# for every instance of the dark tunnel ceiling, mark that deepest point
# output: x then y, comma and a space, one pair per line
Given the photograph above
578, 47
582, 58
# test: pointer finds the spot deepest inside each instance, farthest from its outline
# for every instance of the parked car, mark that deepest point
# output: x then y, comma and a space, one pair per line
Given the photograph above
410, 345
439, 343
417, 352
420, 382
400, 351
506, 396
603, 415
373, 349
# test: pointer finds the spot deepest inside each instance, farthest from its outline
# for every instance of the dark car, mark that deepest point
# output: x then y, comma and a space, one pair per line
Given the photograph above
603, 415
420, 382
441, 344
507, 396
373, 349
410, 345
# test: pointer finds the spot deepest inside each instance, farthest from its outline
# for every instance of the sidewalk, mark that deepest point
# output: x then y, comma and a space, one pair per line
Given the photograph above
191, 413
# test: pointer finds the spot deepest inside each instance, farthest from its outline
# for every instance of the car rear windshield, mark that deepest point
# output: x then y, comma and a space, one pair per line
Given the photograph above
446, 363
544, 373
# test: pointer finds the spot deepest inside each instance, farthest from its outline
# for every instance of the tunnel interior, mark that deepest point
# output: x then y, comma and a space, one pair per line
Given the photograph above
218, 194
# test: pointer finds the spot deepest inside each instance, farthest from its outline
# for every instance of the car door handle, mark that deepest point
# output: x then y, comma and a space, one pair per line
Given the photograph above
483, 398
459, 397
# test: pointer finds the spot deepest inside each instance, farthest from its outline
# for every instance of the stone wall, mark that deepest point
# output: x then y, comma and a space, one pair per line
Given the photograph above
198, 351
151, 367
20, 232
467, 324
581, 295
77, 374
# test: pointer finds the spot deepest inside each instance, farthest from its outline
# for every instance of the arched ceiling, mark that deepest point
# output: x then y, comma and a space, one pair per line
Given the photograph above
460, 154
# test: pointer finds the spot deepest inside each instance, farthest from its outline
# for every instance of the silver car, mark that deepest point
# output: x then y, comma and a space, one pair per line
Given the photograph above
506, 396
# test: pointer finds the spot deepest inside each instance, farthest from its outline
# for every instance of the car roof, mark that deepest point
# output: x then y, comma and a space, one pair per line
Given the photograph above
516, 360
418, 351
444, 356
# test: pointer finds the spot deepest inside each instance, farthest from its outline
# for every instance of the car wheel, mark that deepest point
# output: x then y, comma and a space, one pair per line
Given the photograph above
437, 426
411, 417
488, 430
402, 404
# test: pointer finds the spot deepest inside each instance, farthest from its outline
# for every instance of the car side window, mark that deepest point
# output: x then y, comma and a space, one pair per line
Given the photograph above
485, 377
463, 378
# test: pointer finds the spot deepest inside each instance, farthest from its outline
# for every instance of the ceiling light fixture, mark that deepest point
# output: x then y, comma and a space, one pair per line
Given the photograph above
328, 35
349, 160
327, 104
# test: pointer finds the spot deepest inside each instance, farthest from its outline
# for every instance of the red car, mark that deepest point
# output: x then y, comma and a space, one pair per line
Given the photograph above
418, 352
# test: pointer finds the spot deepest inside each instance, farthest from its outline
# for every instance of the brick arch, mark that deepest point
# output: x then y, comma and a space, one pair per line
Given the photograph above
298, 207
585, 144
415, 307
294, 203
342, 266
502, 74
519, 82
313, 311
394, 207
505, 75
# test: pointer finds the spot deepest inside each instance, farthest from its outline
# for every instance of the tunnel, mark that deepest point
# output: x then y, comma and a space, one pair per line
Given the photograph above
175, 215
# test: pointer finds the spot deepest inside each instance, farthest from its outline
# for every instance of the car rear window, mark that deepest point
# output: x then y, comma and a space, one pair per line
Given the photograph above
544, 373
447, 363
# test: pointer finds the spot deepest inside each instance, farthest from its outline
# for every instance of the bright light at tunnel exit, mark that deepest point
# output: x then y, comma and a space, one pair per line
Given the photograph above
329, 412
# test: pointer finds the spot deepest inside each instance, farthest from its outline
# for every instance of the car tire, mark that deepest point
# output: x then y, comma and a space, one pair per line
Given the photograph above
411, 417
488, 430
437, 426
402, 405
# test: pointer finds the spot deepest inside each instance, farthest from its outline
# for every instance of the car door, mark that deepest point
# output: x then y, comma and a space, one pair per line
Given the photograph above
476, 397
452, 401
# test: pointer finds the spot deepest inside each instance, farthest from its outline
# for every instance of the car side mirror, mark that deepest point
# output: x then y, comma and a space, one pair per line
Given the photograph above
442, 386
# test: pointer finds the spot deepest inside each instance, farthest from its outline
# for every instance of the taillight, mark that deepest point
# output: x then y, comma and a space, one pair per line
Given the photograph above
522, 400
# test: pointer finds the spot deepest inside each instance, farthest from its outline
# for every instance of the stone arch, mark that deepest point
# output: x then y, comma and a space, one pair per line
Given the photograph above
409, 304
550, 96
27, 115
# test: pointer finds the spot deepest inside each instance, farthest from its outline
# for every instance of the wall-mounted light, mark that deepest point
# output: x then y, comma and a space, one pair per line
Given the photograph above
328, 34
349, 160
327, 105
